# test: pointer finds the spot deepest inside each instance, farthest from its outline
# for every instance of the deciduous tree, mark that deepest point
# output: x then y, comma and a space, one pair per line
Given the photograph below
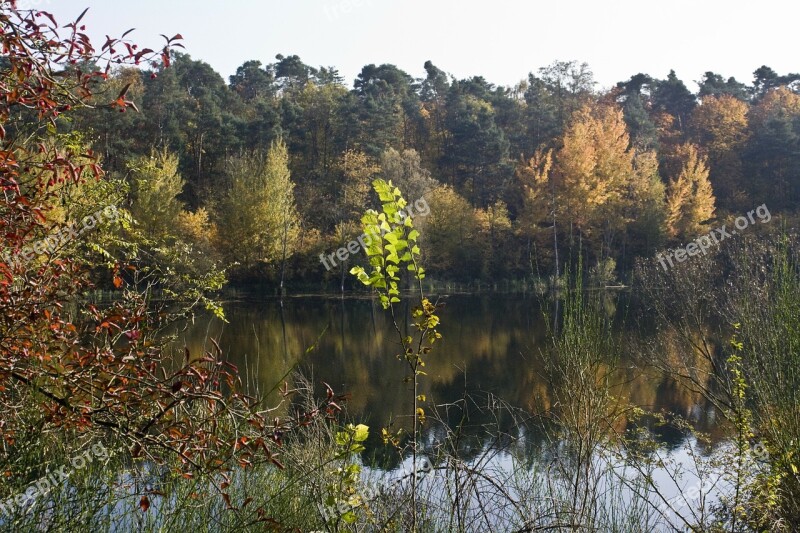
257, 216
719, 125
690, 199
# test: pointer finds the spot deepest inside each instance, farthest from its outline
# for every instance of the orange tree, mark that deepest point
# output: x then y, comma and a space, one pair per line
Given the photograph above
96, 372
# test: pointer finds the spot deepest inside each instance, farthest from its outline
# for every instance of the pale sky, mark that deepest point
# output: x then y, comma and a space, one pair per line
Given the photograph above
501, 40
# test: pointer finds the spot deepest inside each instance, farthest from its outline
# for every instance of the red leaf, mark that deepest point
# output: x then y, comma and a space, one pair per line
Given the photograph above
144, 503
48, 15
77, 20
109, 42
117, 282
227, 500
123, 92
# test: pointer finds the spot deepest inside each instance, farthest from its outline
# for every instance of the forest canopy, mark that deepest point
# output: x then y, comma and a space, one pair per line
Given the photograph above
549, 164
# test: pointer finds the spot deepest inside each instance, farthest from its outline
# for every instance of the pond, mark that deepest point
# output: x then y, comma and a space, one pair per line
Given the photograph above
491, 350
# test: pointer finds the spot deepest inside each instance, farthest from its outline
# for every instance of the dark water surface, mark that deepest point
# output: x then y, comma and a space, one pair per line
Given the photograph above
492, 347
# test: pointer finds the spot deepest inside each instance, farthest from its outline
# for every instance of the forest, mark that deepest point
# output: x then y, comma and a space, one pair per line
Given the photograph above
513, 175
278, 303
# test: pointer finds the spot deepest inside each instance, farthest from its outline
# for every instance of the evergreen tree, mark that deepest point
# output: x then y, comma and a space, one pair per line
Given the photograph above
715, 85
476, 156
671, 96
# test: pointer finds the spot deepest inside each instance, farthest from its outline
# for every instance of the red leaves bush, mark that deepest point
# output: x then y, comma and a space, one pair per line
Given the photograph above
86, 368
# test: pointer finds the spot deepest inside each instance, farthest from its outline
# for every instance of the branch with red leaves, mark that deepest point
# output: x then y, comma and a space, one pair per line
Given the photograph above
105, 372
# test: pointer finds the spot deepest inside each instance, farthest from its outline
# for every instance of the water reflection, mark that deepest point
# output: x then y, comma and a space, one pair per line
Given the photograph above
492, 348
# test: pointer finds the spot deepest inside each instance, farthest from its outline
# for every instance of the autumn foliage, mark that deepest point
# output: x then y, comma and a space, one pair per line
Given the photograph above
97, 371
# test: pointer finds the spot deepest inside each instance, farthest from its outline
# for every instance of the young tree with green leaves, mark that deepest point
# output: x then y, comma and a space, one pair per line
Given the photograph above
395, 248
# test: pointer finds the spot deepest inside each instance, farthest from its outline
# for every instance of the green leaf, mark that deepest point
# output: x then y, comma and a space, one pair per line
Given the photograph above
361, 433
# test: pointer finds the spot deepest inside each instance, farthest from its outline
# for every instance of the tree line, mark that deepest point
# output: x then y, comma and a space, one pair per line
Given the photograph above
264, 173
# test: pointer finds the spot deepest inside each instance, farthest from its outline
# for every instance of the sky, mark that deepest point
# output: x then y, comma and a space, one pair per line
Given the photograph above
502, 40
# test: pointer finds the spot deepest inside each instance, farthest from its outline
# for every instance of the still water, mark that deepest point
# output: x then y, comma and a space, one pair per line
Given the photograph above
492, 348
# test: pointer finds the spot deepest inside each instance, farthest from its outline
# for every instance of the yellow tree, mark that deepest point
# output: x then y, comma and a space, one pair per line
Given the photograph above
778, 102
258, 220
449, 233
596, 169
357, 170
180, 241
534, 177
495, 228
538, 201
773, 154
646, 211
156, 184
720, 127
690, 199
